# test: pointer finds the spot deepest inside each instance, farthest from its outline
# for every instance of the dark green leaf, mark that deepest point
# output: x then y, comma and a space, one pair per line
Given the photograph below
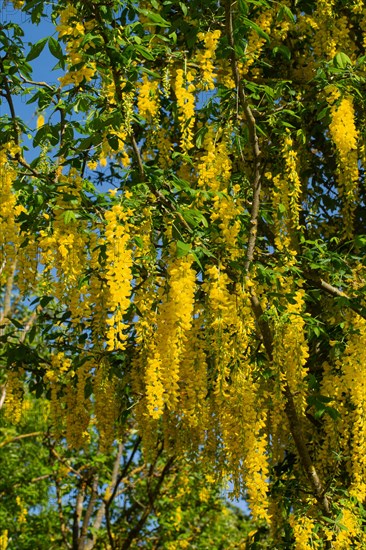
36, 49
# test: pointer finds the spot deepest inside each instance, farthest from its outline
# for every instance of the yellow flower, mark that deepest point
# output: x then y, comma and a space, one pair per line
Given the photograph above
40, 121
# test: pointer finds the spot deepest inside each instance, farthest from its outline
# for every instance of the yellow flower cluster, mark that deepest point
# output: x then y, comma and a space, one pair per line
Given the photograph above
194, 379
214, 172
106, 404
338, 433
74, 30
14, 397
257, 468
206, 58
145, 364
237, 405
357, 6
325, 7
286, 200
78, 408
54, 378
353, 364
344, 135
244, 439
342, 128
290, 347
173, 324
154, 385
22, 516
347, 531
98, 293
304, 532
165, 146
108, 152
4, 539
332, 34
63, 247
185, 102
256, 42
118, 274
9, 231
148, 99
225, 73
222, 317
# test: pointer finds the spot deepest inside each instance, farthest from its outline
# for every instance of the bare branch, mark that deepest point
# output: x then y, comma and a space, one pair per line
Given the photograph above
9, 99
19, 437
3, 395
8, 293
61, 514
83, 544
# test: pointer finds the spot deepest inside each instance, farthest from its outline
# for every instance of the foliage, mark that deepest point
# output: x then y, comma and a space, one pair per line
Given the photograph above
182, 241
167, 503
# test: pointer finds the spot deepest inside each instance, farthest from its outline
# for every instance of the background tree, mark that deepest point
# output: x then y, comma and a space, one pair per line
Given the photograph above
56, 497
188, 237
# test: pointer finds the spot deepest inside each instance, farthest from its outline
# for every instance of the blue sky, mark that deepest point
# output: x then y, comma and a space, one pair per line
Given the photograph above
42, 66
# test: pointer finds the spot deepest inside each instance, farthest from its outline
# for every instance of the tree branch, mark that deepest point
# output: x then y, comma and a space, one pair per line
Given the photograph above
334, 291
82, 544
10, 102
77, 516
61, 514
152, 497
291, 413
19, 437
253, 136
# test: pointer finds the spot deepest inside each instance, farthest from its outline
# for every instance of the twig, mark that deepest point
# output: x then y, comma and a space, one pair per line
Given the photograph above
334, 291
65, 463
77, 516
10, 102
28, 326
3, 395
134, 532
253, 136
82, 543
61, 515
27, 81
8, 293
19, 437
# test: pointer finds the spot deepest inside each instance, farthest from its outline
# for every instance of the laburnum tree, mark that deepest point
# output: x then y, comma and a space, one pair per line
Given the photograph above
183, 248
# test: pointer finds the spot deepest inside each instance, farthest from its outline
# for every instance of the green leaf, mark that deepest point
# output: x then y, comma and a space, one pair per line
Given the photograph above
285, 10
45, 300
69, 216
55, 48
36, 49
256, 28
282, 50
341, 60
183, 7
155, 18
144, 52
183, 249
15, 323
243, 7
200, 136
32, 334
